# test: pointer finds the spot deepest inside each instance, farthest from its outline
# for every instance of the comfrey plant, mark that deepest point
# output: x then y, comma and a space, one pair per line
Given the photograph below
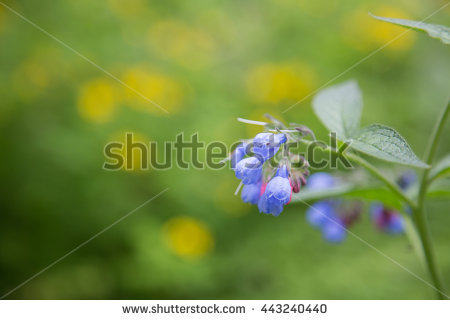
272, 176
270, 188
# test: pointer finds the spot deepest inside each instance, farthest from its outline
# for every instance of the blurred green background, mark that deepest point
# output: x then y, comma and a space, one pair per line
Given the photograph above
206, 62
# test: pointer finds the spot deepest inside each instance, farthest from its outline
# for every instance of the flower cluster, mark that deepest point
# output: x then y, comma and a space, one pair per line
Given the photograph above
269, 174
387, 219
332, 216
271, 189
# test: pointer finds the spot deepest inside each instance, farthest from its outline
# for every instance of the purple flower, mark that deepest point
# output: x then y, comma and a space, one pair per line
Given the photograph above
387, 220
249, 170
266, 144
277, 193
251, 192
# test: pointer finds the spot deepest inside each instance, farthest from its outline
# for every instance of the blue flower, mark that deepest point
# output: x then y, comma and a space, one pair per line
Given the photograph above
249, 170
238, 154
268, 206
332, 216
406, 179
251, 192
334, 232
318, 213
266, 144
321, 181
277, 193
387, 220
323, 216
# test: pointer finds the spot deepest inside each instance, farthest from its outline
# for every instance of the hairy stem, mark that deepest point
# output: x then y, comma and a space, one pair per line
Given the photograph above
420, 218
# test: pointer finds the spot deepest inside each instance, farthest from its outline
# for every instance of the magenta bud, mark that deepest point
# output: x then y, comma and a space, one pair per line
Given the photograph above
295, 183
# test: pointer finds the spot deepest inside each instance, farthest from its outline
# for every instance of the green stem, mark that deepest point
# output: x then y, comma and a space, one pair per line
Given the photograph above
371, 169
377, 174
420, 218
431, 152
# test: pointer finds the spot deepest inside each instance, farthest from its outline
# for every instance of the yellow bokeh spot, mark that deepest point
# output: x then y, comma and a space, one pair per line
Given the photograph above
278, 83
134, 159
30, 79
187, 45
153, 88
366, 33
97, 100
188, 237
317, 8
127, 9
225, 199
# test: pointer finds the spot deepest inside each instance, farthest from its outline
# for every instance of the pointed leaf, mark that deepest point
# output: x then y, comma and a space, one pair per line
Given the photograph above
439, 189
386, 144
339, 108
371, 193
433, 30
439, 193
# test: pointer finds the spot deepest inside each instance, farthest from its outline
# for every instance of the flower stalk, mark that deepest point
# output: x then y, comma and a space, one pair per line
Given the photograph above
420, 218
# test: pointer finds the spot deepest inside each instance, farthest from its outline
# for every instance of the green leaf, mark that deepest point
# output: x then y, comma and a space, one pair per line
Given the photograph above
371, 193
439, 189
386, 144
439, 193
378, 194
339, 108
433, 30
315, 195
440, 169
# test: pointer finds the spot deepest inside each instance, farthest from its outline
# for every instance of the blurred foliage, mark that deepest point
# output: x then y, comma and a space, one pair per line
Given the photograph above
206, 63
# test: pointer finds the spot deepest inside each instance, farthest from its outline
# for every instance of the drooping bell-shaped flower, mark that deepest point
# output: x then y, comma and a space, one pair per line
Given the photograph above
269, 206
331, 216
387, 220
323, 216
278, 192
251, 192
249, 170
266, 144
